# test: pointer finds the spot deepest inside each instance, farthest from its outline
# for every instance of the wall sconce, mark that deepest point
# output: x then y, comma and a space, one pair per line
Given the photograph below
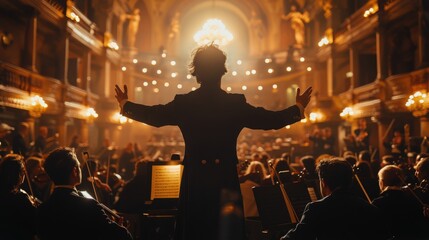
418, 103
90, 114
347, 113
37, 106
327, 39
370, 11
316, 117
109, 42
118, 117
6, 39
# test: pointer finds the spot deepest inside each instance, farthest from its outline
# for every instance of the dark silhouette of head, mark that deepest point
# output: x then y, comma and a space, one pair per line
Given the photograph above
59, 165
208, 64
364, 156
11, 172
351, 159
364, 170
336, 173
309, 163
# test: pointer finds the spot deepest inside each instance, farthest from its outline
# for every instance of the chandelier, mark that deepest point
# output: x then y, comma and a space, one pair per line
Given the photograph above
37, 106
418, 103
213, 31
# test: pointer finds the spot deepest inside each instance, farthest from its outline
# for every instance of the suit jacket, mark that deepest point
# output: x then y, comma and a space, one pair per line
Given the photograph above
18, 216
403, 214
340, 216
210, 123
67, 215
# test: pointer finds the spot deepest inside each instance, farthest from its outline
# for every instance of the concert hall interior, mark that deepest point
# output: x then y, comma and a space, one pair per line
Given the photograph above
365, 64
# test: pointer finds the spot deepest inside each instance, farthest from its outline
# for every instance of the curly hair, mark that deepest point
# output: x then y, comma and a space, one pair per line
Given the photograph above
208, 60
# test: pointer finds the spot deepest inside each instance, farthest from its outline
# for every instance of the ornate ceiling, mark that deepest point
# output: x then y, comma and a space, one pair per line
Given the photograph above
170, 24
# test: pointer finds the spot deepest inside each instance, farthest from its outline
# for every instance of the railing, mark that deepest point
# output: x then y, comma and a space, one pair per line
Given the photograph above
12, 76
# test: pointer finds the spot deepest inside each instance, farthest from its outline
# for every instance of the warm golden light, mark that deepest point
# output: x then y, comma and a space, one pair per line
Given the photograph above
324, 41
118, 117
347, 113
38, 106
418, 103
370, 11
90, 112
213, 31
316, 117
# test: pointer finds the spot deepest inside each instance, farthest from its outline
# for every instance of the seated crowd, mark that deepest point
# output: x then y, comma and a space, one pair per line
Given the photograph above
43, 197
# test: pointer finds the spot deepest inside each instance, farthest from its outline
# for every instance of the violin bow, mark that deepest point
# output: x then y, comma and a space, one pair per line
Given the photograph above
90, 174
292, 213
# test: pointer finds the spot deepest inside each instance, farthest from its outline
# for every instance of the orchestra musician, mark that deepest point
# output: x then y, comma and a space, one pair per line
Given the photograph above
422, 174
340, 214
400, 210
18, 210
361, 136
41, 185
396, 145
67, 214
93, 185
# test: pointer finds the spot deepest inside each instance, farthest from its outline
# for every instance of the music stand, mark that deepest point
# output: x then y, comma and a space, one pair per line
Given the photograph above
299, 196
272, 209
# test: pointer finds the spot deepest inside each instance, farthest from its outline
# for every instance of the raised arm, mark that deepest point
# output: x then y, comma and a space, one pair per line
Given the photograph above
121, 96
304, 98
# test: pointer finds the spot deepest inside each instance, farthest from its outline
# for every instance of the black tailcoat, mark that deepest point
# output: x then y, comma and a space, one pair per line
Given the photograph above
210, 122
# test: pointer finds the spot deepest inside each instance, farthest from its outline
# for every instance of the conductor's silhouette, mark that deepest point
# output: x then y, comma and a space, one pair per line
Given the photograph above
210, 121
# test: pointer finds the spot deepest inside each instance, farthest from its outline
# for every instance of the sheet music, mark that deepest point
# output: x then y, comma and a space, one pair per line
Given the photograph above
166, 181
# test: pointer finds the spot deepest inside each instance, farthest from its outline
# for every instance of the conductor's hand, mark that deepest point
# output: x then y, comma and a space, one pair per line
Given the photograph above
304, 98
121, 95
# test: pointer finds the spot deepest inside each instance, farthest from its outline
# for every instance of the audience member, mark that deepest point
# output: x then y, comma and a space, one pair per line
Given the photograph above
340, 214
67, 214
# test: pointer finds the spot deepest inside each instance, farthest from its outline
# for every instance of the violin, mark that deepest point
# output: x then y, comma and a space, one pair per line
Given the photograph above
95, 180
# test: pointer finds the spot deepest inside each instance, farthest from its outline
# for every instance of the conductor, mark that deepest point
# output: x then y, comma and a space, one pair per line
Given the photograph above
210, 120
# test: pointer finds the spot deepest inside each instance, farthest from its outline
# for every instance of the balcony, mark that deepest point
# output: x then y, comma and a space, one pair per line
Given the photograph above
18, 84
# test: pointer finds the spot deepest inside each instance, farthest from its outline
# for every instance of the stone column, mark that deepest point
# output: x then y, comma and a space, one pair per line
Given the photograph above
423, 34
31, 41
353, 67
381, 43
